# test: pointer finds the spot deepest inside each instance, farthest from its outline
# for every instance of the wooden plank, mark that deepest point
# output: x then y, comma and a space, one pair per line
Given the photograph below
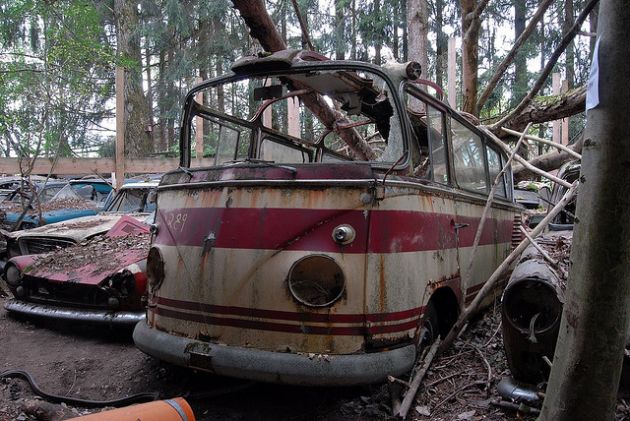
556, 125
120, 127
64, 166
199, 128
293, 117
160, 165
104, 166
451, 74
564, 139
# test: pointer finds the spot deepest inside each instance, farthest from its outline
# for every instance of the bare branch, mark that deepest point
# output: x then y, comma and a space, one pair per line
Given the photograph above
303, 26
545, 141
509, 59
568, 37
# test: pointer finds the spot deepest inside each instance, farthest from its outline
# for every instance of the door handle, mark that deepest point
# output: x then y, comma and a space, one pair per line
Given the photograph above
460, 225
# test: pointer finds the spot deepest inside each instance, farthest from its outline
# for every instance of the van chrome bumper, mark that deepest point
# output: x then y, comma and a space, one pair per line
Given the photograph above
274, 367
115, 318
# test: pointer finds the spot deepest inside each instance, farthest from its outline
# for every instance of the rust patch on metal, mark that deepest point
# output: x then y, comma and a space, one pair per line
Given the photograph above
382, 293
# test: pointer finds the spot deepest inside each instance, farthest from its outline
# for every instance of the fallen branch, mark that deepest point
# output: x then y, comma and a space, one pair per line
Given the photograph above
523, 161
568, 37
496, 275
415, 382
548, 161
545, 141
537, 246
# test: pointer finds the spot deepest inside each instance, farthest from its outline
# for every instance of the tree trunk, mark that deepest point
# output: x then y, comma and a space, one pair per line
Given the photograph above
340, 42
592, 21
417, 33
395, 46
547, 109
520, 61
150, 96
137, 140
588, 358
471, 25
441, 43
379, 36
263, 29
570, 52
353, 30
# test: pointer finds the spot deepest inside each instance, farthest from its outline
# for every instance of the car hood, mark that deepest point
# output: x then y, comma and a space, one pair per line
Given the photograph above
77, 229
125, 246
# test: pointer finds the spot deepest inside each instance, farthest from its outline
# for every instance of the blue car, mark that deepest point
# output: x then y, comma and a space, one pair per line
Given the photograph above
58, 201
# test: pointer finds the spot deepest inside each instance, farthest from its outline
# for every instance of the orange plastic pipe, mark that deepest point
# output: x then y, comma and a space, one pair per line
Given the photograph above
176, 409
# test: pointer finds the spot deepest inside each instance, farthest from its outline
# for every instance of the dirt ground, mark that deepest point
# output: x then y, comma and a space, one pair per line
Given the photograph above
100, 364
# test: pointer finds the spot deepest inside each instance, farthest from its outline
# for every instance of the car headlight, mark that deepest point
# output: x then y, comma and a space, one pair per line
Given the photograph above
13, 275
316, 281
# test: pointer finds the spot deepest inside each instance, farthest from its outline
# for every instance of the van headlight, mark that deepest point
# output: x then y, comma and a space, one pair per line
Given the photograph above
316, 281
155, 268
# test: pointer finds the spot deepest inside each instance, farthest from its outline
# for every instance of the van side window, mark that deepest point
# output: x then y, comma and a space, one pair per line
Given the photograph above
428, 150
494, 167
468, 153
437, 143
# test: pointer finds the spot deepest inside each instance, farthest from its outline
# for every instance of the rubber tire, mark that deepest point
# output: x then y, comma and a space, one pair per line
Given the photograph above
430, 327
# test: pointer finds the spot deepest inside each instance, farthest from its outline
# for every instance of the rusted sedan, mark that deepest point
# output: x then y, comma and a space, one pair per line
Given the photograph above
136, 199
100, 280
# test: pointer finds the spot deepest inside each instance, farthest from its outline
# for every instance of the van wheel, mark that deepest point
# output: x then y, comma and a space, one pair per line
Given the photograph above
430, 327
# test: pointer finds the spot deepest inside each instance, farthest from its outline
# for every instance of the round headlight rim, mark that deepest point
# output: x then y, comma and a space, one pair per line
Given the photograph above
302, 301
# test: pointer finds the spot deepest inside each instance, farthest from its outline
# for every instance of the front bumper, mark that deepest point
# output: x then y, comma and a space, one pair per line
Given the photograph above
274, 367
115, 318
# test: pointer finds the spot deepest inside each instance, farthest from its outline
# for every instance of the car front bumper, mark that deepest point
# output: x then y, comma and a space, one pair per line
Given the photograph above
115, 318
274, 367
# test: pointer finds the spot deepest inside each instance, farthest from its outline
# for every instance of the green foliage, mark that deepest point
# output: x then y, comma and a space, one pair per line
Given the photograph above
58, 58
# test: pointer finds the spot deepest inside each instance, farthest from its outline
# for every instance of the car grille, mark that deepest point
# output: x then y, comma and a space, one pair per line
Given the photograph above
37, 245
517, 236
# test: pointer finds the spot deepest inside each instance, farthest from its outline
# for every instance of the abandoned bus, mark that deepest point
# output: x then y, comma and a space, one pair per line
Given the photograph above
329, 237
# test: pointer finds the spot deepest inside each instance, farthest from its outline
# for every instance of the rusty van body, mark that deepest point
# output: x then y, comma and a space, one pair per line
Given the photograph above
331, 238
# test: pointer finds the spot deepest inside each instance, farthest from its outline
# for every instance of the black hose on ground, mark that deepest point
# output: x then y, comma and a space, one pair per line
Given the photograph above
84, 403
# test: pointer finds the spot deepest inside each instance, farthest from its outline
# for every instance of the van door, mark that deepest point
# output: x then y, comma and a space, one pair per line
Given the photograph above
470, 167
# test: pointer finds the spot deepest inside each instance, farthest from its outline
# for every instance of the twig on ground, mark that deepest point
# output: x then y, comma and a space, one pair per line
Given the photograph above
415, 382
488, 368
516, 407
452, 395
440, 380
493, 335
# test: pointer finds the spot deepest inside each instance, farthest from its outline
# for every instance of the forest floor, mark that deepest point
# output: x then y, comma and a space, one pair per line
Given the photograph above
80, 361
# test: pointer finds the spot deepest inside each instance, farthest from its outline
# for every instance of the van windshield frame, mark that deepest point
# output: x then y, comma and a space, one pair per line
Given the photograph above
313, 149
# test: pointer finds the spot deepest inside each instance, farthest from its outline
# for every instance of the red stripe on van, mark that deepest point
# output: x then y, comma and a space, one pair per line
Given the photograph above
311, 229
289, 315
283, 327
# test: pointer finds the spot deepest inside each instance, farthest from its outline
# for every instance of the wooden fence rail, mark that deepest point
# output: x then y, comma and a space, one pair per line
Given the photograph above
76, 166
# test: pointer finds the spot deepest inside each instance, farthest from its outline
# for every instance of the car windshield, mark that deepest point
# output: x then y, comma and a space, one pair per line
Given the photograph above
312, 116
46, 193
131, 200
